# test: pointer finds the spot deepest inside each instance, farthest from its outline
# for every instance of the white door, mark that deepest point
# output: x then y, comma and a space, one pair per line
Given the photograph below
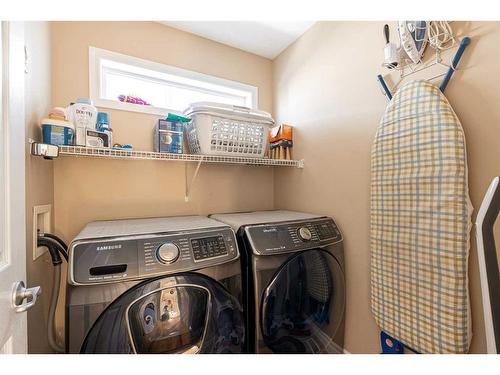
13, 336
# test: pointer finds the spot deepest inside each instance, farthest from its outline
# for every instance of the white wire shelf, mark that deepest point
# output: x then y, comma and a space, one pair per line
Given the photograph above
148, 155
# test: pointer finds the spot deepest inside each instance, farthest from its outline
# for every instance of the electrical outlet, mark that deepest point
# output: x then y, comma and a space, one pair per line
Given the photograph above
41, 223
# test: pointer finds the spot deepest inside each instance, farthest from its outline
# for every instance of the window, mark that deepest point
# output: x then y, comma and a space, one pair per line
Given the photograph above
115, 79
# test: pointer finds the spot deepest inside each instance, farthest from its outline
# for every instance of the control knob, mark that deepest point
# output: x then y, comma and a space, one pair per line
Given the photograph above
167, 253
305, 234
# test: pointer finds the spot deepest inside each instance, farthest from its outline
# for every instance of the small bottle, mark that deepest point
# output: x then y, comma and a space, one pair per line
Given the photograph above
102, 121
103, 126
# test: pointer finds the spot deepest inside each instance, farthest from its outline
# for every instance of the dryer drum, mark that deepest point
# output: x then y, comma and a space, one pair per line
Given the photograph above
189, 313
319, 282
302, 308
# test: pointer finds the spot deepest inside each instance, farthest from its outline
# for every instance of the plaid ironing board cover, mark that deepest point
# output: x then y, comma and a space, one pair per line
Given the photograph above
420, 223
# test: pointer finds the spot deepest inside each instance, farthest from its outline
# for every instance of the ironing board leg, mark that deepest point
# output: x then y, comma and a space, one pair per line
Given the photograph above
458, 55
387, 92
390, 345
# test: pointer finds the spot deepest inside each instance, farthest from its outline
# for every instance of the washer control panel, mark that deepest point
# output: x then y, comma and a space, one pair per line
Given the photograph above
208, 247
269, 239
136, 257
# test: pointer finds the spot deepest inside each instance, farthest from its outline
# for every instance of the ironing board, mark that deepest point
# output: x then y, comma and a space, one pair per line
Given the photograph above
420, 223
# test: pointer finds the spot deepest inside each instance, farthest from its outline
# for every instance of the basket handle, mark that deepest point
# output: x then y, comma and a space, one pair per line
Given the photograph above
241, 108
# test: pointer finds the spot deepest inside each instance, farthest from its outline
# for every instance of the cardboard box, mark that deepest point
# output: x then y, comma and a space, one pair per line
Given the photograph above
281, 132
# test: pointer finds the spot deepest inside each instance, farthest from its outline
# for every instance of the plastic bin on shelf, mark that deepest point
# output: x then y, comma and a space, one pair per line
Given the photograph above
227, 130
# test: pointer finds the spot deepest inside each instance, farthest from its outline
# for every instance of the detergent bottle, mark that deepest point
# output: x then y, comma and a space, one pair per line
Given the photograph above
84, 116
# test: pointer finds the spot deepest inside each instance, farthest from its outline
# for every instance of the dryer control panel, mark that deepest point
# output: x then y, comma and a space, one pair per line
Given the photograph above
270, 239
144, 256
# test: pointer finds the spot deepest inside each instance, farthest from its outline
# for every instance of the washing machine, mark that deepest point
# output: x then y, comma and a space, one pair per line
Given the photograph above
159, 285
293, 281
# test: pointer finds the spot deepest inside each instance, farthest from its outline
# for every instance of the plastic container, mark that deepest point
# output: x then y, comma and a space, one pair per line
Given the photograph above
103, 126
84, 116
94, 138
102, 121
57, 132
169, 137
227, 130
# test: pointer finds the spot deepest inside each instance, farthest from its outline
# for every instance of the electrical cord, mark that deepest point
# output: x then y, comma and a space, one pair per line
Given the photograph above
58, 239
53, 248
51, 332
56, 247
441, 35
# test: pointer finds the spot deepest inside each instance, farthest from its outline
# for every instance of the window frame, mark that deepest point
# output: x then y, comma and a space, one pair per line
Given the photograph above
95, 81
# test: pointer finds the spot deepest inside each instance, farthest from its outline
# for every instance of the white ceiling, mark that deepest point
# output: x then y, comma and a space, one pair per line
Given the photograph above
264, 38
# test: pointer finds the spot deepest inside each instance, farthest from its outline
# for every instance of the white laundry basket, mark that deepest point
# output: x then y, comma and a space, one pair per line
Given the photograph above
227, 130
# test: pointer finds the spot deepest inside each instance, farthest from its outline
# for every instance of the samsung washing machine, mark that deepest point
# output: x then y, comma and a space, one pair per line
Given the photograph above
293, 281
162, 285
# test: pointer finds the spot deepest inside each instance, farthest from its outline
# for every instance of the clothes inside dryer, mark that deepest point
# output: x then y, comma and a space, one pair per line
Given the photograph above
302, 307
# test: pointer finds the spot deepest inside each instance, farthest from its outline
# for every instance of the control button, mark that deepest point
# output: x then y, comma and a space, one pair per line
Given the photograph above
167, 253
305, 234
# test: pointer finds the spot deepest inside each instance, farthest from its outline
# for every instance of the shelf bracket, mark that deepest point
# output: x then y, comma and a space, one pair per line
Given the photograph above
44, 150
189, 186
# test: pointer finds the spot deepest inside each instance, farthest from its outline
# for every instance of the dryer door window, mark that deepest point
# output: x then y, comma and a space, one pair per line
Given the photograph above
179, 314
303, 306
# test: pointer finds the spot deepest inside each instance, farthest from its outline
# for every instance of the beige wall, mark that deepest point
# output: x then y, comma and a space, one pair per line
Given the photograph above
89, 189
39, 176
325, 85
